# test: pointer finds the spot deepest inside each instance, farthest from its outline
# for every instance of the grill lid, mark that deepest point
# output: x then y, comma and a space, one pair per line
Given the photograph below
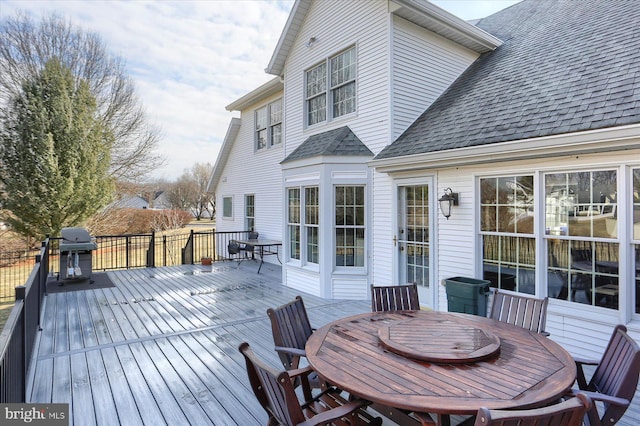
75, 235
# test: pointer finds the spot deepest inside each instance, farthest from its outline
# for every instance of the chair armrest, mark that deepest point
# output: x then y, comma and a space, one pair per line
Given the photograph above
607, 399
333, 414
291, 351
295, 372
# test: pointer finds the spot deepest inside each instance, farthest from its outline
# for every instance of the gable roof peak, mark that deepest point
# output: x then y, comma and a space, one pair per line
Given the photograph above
420, 12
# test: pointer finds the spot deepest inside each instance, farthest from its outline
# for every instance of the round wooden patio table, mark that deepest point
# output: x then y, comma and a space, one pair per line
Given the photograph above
372, 356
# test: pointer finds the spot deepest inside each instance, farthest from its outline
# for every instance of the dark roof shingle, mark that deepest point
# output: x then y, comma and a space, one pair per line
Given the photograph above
565, 66
337, 142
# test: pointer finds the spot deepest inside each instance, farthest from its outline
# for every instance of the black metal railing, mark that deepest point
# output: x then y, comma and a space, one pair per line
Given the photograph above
116, 252
20, 330
19, 333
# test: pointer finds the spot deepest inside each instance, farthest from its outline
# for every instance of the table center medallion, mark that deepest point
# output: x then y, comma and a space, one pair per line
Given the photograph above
435, 340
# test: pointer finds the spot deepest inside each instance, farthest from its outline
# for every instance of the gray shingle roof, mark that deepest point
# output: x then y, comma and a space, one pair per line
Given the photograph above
337, 142
565, 66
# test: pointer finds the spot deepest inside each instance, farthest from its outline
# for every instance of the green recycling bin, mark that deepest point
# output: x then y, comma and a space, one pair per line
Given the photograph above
467, 295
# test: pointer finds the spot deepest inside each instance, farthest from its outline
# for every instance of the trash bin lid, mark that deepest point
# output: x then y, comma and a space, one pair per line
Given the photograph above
75, 235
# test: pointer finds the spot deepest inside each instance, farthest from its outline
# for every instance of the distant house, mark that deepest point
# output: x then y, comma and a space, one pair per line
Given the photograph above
531, 117
161, 201
131, 202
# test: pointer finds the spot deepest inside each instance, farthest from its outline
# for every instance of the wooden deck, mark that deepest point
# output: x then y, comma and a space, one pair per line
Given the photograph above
161, 346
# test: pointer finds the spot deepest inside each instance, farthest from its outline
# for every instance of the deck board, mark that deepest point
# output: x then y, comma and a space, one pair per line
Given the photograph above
161, 347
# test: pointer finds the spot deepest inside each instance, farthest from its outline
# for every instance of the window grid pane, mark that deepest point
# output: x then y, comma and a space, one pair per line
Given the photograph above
249, 212
316, 80
311, 222
582, 204
293, 218
350, 226
317, 109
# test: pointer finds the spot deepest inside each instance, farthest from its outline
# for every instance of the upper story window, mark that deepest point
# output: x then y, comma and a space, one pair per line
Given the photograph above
331, 88
269, 125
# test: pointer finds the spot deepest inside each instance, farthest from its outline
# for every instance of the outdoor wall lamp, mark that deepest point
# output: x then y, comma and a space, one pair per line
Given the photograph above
311, 41
447, 201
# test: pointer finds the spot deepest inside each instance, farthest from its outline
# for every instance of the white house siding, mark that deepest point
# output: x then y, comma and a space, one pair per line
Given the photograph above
338, 25
424, 65
382, 226
349, 288
455, 237
242, 176
302, 280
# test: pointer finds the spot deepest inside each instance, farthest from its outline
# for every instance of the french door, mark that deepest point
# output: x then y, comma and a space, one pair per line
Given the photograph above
413, 240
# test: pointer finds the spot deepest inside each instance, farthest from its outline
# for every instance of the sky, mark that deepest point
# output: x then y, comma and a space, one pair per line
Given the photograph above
190, 59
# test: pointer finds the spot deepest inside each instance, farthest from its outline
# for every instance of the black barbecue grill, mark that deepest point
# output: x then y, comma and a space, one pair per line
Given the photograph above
76, 249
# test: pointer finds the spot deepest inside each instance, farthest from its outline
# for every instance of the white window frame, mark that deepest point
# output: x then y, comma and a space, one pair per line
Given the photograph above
322, 83
294, 223
229, 199
581, 241
303, 225
502, 265
268, 124
249, 215
354, 227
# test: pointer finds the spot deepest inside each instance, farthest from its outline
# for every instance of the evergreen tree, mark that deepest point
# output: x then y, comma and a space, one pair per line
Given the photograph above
54, 154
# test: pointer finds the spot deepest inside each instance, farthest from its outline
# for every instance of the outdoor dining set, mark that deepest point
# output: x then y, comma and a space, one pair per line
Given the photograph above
423, 367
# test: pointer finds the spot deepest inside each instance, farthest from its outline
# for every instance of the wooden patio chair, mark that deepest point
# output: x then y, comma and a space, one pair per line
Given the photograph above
567, 413
275, 392
395, 298
291, 329
615, 379
524, 311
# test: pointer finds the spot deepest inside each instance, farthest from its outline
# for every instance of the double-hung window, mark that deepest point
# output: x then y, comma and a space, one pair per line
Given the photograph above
581, 227
249, 212
331, 88
303, 220
506, 227
293, 222
268, 121
350, 226
312, 222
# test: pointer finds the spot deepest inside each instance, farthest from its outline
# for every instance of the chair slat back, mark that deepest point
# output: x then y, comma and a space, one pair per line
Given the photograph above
290, 327
567, 413
273, 389
395, 298
617, 373
526, 312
